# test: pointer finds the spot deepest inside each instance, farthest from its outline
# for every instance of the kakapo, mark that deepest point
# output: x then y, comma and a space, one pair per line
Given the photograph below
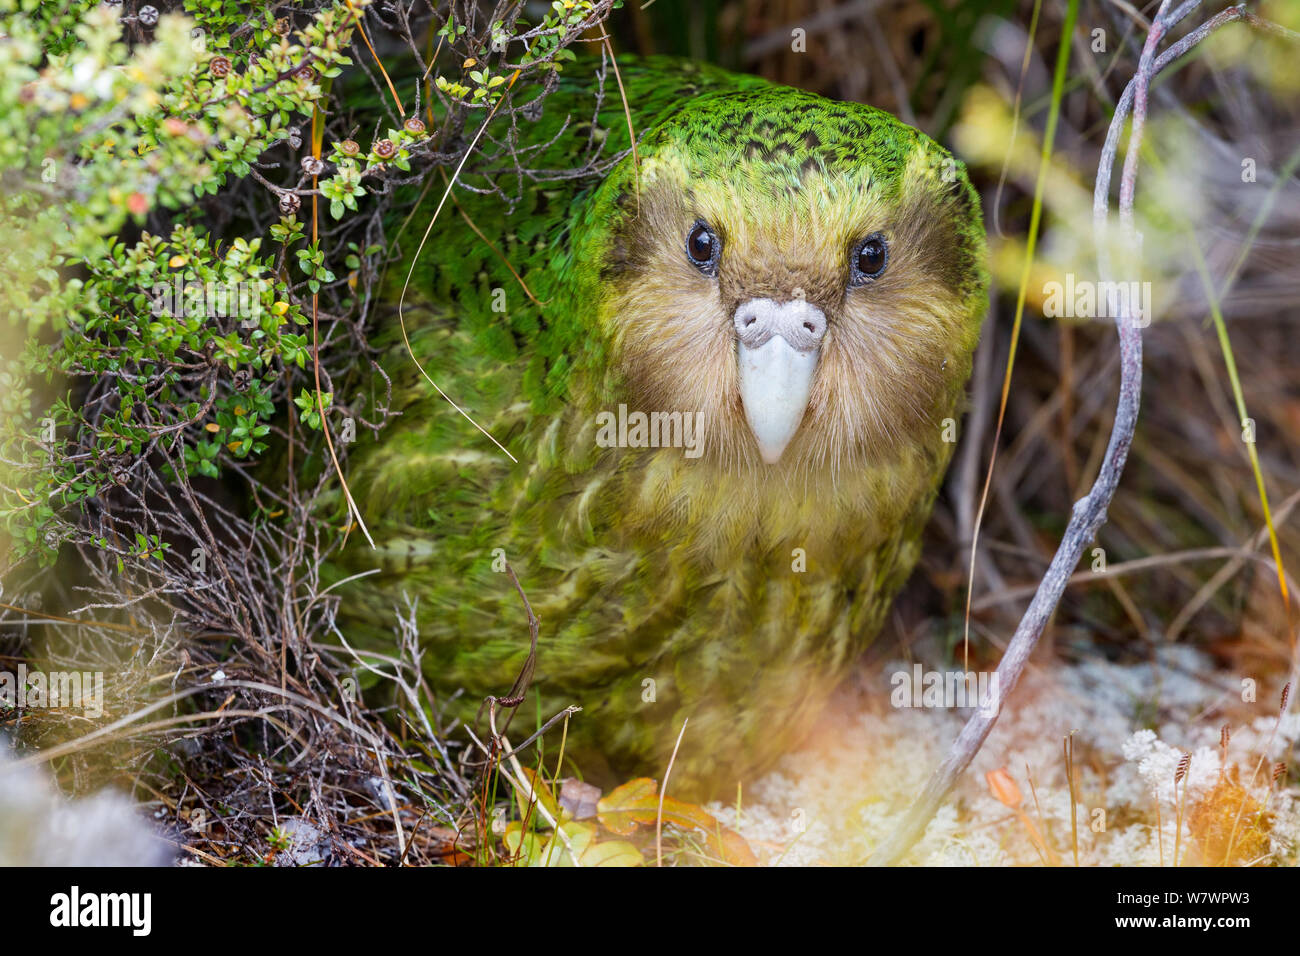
721, 370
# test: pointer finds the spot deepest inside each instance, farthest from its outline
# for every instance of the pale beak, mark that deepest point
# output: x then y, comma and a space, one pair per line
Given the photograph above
777, 345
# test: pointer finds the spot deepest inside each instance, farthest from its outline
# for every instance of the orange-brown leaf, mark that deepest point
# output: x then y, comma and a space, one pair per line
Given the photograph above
636, 803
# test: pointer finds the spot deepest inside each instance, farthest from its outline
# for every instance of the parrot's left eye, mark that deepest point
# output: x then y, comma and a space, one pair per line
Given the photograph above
703, 248
868, 259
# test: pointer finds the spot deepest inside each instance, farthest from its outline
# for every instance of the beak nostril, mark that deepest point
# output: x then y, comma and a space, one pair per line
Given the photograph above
800, 324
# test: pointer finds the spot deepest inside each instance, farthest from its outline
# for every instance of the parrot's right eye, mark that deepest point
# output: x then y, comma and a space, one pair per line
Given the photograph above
703, 248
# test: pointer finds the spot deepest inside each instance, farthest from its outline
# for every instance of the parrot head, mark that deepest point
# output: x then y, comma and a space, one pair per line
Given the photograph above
805, 275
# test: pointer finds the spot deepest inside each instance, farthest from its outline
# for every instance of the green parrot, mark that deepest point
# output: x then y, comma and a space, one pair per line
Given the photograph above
726, 373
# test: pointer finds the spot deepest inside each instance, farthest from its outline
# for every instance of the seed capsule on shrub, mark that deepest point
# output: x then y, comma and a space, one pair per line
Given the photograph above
413, 125
385, 149
312, 166
149, 16
289, 204
349, 147
305, 73
219, 67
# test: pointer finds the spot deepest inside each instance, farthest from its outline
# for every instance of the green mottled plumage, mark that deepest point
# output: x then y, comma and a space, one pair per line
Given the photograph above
643, 564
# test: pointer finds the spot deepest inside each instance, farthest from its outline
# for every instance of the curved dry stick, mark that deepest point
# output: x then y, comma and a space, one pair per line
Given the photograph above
1089, 512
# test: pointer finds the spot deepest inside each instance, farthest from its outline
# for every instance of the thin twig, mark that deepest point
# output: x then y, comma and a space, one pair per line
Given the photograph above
1089, 513
663, 791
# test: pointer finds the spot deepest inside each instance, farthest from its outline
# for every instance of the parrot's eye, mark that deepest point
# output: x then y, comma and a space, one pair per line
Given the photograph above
868, 260
703, 248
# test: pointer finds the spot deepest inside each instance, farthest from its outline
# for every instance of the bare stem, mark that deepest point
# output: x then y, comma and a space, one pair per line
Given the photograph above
1089, 513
